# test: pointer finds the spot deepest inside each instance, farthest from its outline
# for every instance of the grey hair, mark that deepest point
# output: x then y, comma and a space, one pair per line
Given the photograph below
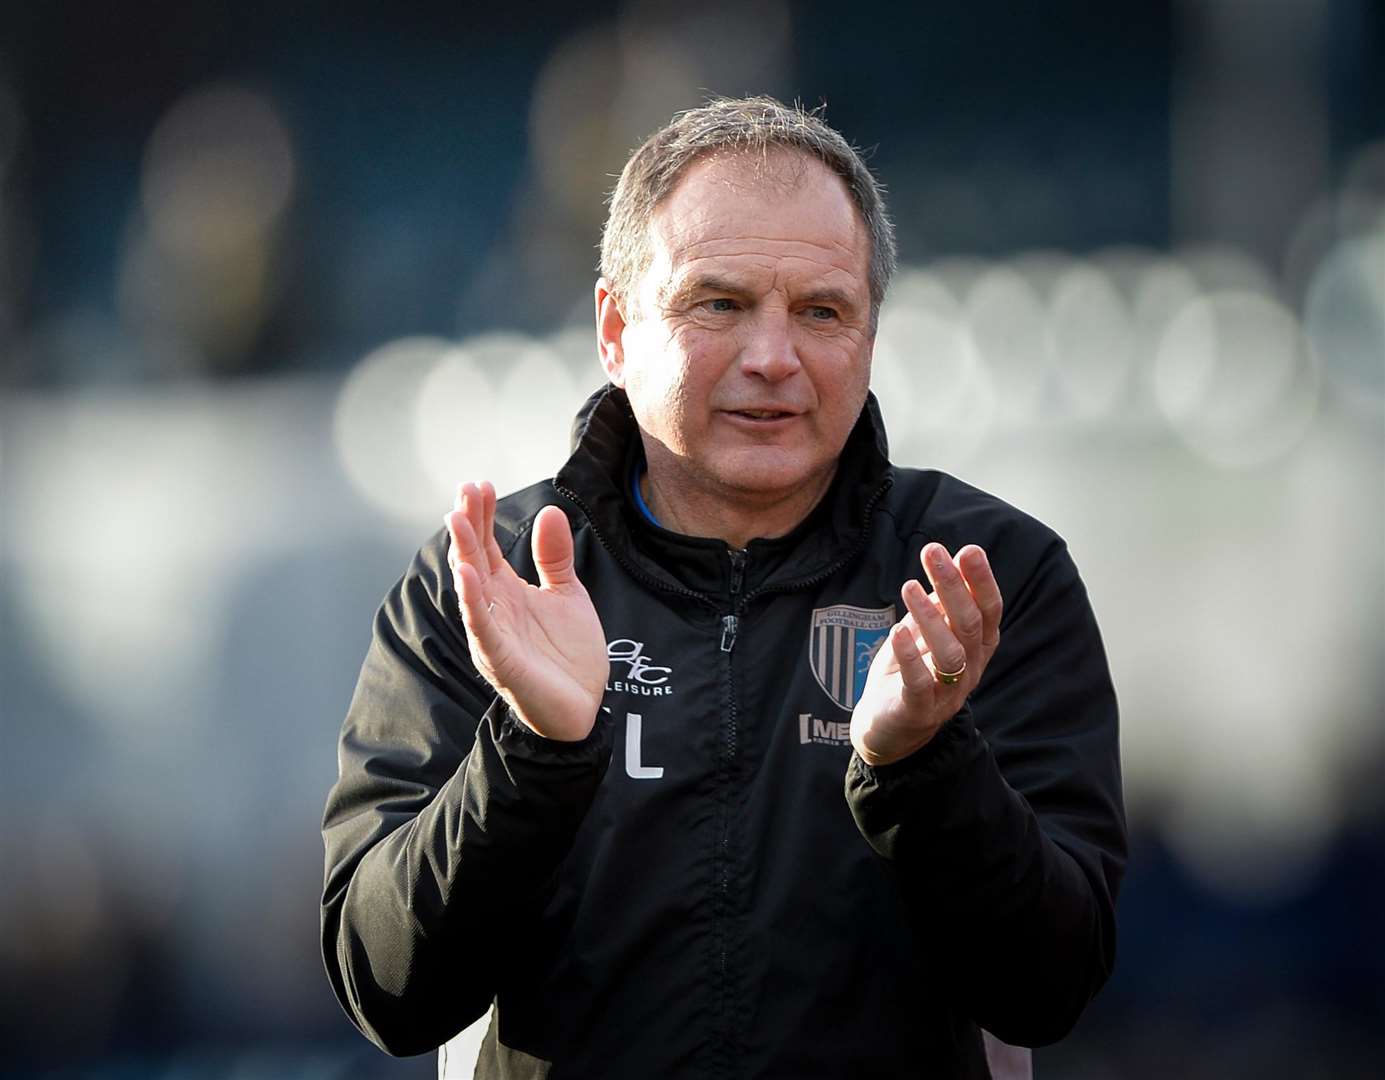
752, 125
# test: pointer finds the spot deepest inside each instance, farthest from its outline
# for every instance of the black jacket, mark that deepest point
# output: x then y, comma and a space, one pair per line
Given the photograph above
686, 892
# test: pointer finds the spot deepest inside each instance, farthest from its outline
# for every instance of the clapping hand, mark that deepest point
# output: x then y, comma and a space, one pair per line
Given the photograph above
934, 658
541, 647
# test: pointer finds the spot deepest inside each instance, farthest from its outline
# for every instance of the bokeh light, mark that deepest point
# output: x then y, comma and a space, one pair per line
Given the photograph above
936, 393
1361, 202
1346, 318
218, 172
460, 428
569, 123
113, 489
1237, 379
1006, 320
1091, 341
1227, 269
375, 424
420, 415
466, 407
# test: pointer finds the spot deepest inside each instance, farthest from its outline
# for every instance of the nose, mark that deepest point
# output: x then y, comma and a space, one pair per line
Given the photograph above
768, 349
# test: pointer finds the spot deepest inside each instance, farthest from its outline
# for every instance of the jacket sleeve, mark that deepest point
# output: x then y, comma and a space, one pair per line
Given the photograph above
447, 820
1007, 830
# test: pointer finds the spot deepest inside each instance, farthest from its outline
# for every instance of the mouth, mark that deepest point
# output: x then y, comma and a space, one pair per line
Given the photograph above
761, 415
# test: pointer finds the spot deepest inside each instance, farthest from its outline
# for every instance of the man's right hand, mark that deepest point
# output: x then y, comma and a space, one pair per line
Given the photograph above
542, 648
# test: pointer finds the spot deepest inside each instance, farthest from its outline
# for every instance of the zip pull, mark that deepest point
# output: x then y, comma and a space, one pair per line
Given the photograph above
728, 632
738, 560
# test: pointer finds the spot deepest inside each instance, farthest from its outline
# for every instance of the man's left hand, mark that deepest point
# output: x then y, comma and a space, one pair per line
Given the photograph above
934, 657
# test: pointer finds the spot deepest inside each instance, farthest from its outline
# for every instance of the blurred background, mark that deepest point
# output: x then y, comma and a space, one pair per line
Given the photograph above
256, 262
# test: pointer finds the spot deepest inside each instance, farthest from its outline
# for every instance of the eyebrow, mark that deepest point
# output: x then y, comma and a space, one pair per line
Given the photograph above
830, 297
710, 283
698, 283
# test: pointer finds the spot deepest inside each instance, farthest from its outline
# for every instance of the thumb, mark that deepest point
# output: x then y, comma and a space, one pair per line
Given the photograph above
552, 547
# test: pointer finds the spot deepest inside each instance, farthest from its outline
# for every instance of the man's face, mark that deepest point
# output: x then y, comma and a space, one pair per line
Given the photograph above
746, 357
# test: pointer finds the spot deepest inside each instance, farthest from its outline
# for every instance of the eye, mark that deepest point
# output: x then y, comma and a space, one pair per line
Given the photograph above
720, 305
820, 313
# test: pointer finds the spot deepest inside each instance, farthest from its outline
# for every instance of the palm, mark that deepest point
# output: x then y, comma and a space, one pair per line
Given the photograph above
548, 655
882, 717
541, 646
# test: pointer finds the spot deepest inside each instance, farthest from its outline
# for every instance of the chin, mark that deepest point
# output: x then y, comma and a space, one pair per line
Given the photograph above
758, 472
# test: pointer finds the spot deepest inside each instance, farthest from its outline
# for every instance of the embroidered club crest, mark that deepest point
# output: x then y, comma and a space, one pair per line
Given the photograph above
843, 642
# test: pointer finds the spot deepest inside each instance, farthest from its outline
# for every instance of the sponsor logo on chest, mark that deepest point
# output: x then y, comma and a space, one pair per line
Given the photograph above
633, 673
814, 729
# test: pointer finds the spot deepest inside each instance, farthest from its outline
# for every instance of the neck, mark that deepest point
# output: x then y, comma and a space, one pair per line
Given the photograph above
733, 516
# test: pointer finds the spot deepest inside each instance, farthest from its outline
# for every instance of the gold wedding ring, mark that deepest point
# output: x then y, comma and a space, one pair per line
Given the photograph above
950, 678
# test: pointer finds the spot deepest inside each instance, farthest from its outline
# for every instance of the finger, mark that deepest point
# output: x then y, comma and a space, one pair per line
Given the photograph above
477, 613
985, 591
453, 540
918, 679
453, 558
474, 506
963, 616
493, 553
948, 654
464, 551
552, 546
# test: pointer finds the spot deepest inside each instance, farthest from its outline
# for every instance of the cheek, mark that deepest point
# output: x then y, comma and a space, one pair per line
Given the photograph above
651, 386
844, 395
661, 374
659, 396
858, 387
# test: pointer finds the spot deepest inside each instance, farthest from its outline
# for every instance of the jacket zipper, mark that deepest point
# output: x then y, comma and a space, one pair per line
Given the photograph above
731, 623
729, 626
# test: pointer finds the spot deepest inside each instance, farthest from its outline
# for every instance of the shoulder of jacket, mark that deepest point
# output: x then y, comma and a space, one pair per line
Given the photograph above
515, 513
930, 504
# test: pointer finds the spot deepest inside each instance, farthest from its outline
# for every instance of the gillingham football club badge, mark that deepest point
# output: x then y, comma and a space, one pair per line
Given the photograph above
843, 642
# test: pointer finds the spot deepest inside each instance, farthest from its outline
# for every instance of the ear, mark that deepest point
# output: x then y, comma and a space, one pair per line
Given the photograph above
610, 329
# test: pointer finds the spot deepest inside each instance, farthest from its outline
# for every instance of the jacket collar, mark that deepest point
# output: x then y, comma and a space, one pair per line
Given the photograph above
605, 444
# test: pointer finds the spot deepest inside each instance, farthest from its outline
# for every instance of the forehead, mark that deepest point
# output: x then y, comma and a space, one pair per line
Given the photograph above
780, 212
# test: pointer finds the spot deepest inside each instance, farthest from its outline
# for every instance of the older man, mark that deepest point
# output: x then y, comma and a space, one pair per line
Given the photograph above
723, 586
